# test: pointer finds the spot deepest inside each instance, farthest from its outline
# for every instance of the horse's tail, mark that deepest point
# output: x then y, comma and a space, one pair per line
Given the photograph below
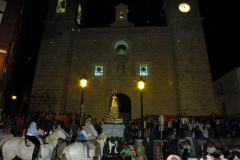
26, 141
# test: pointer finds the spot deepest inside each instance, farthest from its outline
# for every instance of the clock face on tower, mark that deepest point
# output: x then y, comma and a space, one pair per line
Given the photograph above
184, 7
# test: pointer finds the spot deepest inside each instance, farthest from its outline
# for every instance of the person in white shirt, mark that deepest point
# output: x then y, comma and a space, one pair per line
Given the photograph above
210, 148
205, 135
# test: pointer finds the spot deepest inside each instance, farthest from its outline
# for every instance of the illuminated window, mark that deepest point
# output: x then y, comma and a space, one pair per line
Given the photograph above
121, 14
98, 70
121, 47
79, 14
61, 6
143, 70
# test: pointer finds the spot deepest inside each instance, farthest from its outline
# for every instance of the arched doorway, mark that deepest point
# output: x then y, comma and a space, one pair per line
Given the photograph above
124, 105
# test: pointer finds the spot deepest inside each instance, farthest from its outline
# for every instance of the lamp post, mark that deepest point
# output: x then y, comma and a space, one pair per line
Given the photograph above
141, 86
83, 83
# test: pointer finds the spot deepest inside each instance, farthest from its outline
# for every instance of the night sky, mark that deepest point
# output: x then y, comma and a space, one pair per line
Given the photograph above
221, 25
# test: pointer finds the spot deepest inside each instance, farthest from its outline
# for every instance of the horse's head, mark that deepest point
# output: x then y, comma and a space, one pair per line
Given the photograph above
103, 136
62, 133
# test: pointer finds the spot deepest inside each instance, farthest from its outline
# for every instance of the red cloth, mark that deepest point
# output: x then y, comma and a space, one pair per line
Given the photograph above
165, 123
20, 122
66, 122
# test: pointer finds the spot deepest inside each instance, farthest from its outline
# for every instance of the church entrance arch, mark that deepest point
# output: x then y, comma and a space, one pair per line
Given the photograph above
124, 103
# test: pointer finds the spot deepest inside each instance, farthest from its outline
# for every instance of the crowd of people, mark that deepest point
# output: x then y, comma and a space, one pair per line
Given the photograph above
193, 132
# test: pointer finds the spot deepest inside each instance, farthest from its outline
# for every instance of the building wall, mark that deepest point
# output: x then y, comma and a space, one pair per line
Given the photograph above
148, 45
179, 80
227, 93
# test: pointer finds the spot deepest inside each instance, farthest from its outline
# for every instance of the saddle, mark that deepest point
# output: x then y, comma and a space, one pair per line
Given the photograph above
92, 147
29, 143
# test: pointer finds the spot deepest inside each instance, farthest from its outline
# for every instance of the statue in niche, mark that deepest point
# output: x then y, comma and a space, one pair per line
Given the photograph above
121, 69
113, 112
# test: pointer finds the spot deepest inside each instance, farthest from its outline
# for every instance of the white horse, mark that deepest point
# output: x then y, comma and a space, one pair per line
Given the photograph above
78, 151
16, 147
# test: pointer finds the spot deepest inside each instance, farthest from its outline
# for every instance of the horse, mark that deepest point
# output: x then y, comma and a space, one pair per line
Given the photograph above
16, 146
78, 151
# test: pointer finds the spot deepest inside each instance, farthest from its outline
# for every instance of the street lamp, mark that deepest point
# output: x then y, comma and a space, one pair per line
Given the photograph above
83, 83
14, 97
141, 86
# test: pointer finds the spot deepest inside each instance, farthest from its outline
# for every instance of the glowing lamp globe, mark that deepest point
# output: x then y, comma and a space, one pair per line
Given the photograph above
141, 84
83, 81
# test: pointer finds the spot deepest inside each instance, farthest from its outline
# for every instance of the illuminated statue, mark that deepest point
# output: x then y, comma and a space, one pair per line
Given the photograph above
113, 109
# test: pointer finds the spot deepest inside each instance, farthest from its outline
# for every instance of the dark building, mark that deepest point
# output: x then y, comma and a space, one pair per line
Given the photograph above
11, 31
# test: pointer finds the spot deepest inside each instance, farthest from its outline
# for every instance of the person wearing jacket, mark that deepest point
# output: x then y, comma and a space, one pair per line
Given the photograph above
81, 138
31, 136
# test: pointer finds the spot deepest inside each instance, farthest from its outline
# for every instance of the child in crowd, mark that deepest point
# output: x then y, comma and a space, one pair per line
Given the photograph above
157, 155
124, 143
81, 138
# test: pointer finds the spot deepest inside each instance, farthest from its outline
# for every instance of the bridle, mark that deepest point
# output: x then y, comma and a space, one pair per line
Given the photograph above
64, 132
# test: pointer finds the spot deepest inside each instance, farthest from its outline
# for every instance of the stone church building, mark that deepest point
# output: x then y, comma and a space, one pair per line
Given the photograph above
171, 59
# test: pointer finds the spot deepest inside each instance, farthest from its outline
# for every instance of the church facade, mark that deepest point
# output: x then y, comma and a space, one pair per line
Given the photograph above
172, 60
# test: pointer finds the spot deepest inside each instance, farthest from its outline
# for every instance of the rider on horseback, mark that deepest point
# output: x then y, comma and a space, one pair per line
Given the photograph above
91, 129
81, 138
31, 136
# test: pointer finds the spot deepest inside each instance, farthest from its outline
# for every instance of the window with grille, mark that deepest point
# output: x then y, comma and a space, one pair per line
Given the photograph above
98, 70
143, 70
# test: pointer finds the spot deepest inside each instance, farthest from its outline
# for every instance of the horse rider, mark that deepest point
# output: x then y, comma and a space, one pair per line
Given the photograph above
81, 138
31, 136
89, 128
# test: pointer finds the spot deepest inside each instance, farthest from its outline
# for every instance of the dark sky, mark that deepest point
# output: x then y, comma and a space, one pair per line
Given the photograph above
221, 25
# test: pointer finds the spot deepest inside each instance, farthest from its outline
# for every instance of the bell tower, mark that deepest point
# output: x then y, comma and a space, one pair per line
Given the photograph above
50, 86
190, 58
121, 19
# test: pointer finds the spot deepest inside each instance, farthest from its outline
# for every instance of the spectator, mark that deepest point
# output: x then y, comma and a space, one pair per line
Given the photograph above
165, 150
205, 135
219, 147
174, 132
173, 146
201, 150
48, 123
157, 155
7, 134
133, 135
173, 157
126, 153
156, 130
187, 150
148, 144
188, 136
210, 148
124, 143
66, 123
